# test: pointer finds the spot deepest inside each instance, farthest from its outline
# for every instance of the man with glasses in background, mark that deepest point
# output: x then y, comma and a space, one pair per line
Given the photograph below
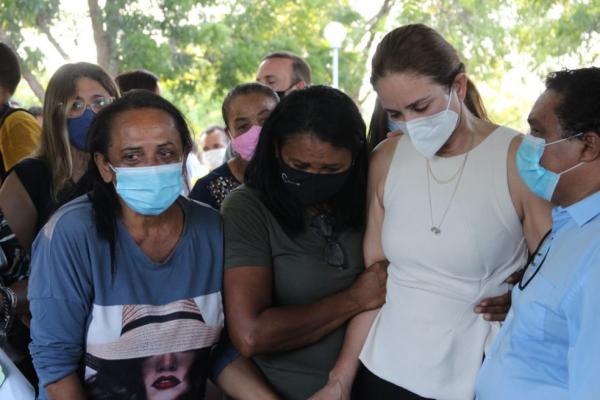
549, 346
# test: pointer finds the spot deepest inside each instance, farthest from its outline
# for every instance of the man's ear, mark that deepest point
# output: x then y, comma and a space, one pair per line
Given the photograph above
591, 149
106, 173
301, 85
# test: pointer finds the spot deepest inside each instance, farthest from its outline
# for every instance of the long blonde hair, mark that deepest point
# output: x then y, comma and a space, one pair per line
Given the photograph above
54, 145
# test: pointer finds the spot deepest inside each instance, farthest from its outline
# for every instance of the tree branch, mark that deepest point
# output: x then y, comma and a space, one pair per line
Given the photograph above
42, 24
104, 49
372, 31
383, 12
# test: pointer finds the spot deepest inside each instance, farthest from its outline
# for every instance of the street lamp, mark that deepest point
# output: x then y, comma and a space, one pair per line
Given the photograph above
335, 33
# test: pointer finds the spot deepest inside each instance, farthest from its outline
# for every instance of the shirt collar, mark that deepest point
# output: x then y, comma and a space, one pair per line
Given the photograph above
581, 212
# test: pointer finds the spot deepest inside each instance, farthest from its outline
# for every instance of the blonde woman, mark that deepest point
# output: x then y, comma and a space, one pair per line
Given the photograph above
35, 186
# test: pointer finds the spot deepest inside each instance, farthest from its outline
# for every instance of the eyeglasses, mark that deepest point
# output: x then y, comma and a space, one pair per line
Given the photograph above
78, 107
333, 252
535, 262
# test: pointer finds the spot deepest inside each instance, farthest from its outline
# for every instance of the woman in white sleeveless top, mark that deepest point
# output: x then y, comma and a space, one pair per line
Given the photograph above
450, 214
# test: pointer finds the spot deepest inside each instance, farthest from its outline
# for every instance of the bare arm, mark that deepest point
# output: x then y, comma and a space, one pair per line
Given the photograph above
536, 218
19, 210
344, 371
21, 216
242, 380
256, 327
535, 212
68, 388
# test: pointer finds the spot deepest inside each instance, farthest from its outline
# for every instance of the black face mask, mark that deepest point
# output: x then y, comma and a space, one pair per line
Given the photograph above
282, 93
311, 189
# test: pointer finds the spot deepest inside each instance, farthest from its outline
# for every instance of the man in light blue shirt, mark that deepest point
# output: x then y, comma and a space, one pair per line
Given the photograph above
549, 346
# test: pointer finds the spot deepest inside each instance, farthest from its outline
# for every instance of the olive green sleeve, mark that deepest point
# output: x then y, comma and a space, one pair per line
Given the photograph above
246, 226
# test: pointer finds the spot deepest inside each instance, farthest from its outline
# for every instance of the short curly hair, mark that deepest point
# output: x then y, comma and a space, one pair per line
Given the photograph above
579, 109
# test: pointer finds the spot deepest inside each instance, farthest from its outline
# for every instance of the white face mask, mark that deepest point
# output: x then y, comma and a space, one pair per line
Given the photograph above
214, 158
429, 134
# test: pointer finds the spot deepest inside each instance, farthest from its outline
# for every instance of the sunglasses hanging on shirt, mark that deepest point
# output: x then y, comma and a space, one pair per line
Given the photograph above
333, 252
535, 261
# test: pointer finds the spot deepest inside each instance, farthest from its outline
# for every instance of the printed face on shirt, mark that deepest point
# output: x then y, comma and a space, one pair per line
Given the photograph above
167, 376
248, 110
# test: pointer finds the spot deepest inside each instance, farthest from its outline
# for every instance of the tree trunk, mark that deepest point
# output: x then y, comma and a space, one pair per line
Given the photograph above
31, 79
104, 47
372, 30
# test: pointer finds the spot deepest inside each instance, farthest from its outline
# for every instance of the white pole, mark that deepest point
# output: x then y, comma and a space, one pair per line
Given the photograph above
335, 67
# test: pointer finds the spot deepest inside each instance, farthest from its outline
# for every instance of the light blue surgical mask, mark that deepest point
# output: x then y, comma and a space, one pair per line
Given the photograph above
149, 190
540, 181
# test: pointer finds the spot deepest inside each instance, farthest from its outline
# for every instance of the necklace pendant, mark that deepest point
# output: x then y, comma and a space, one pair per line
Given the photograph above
435, 230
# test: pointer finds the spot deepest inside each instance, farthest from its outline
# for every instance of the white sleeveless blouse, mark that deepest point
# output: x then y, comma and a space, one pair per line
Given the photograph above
427, 338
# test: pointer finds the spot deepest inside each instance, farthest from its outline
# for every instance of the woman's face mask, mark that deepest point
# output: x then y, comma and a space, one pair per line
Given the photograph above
245, 144
309, 188
312, 170
429, 134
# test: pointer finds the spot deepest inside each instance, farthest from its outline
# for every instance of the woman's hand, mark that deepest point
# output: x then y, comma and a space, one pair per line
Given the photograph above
368, 291
333, 390
496, 308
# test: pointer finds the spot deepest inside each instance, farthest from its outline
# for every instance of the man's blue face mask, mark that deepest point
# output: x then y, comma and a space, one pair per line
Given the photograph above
540, 181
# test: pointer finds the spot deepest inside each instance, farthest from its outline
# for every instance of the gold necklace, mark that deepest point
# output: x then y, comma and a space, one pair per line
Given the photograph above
436, 229
438, 180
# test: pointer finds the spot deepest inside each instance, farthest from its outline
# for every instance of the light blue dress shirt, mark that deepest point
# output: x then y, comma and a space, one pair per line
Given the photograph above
549, 345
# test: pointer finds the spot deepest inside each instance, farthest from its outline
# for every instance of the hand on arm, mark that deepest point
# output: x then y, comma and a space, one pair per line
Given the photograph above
344, 371
496, 308
256, 327
536, 217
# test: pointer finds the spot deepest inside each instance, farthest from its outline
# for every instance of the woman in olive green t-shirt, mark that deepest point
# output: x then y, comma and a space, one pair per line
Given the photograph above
293, 241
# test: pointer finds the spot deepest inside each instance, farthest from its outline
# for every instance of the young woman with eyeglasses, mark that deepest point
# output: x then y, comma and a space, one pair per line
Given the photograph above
293, 241
35, 187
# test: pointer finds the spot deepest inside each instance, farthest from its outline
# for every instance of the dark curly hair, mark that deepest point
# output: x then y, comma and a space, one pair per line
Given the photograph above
579, 109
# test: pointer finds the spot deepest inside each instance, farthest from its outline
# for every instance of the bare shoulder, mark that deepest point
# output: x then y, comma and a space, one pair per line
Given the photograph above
382, 155
12, 188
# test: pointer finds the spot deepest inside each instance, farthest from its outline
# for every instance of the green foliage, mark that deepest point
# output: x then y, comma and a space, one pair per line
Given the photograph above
201, 49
